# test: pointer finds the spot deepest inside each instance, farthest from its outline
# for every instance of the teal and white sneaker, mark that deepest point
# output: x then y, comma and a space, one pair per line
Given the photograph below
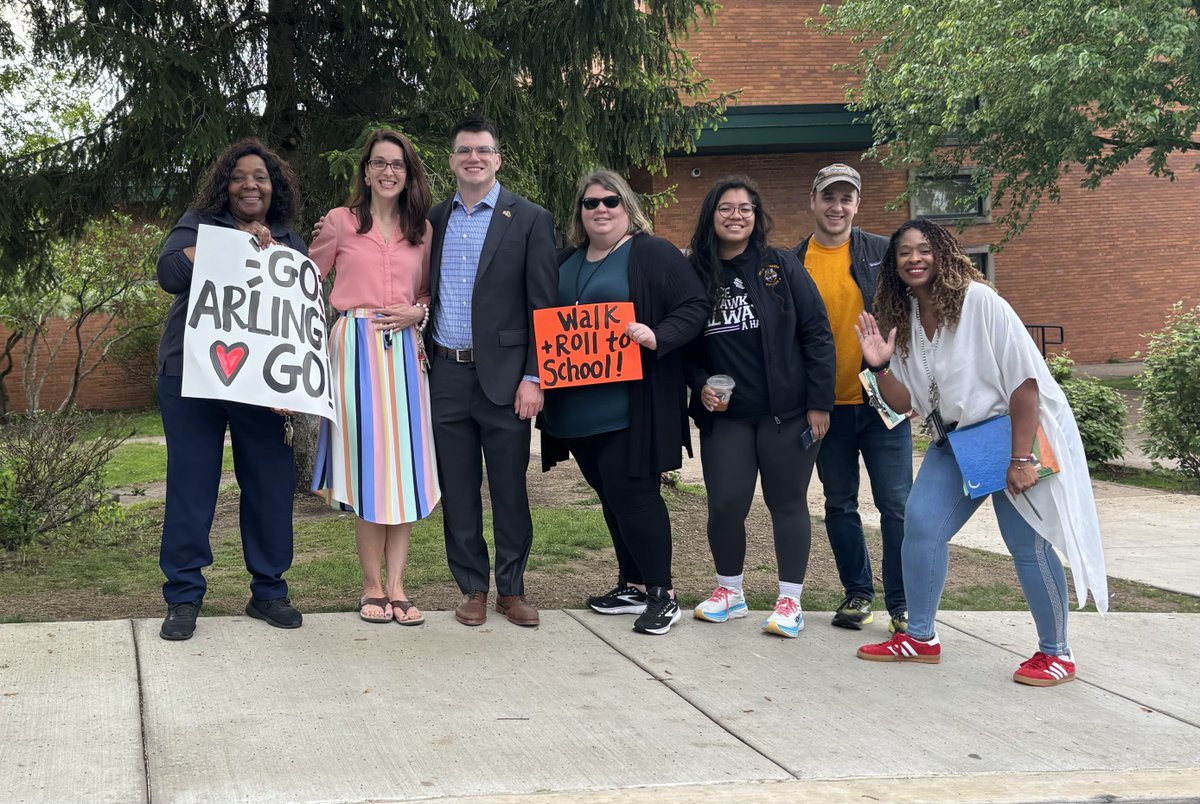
724, 604
787, 620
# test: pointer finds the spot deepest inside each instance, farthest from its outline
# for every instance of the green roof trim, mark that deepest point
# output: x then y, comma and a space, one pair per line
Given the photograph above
784, 129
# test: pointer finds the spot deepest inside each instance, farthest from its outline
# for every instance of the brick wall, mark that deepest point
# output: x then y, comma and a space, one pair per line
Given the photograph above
109, 387
763, 48
1106, 265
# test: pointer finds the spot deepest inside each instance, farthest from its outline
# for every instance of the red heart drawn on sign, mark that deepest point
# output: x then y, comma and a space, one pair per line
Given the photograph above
228, 359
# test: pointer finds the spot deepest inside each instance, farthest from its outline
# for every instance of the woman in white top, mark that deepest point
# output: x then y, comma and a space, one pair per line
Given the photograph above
957, 352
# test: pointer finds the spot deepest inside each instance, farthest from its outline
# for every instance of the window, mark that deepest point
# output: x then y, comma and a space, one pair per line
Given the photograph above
982, 257
948, 198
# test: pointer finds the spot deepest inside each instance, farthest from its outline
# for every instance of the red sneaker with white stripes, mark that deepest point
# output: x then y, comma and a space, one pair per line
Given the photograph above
1044, 670
903, 648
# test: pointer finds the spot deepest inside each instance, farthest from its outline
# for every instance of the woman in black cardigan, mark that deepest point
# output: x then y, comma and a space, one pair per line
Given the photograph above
770, 333
625, 434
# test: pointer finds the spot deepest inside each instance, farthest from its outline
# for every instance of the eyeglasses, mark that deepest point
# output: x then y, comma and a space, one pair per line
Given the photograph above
728, 210
483, 150
609, 202
379, 165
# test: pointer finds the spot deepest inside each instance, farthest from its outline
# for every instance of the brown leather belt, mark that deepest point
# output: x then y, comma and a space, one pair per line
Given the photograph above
457, 355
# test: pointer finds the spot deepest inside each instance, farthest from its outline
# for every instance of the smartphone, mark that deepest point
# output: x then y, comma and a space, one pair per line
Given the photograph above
806, 438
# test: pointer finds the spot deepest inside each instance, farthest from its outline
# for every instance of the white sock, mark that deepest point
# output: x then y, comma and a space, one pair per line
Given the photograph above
733, 582
790, 589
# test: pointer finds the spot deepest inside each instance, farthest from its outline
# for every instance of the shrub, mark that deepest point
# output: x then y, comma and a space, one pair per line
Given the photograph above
1171, 382
51, 473
1099, 410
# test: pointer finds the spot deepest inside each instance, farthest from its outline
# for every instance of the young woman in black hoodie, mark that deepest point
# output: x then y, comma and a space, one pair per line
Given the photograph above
769, 332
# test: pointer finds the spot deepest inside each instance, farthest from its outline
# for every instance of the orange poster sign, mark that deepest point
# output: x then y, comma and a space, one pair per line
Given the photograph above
586, 344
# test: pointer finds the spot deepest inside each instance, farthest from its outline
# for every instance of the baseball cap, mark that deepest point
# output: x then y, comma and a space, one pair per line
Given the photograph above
835, 173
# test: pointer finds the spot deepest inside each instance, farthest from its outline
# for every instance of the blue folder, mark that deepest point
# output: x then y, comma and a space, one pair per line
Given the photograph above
984, 451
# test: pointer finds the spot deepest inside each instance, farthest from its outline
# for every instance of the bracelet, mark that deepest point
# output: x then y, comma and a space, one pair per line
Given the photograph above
1024, 459
881, 370
425, 319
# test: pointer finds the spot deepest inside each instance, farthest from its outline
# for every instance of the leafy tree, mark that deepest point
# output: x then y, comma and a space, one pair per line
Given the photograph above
1026, 92
570, 84
103, 279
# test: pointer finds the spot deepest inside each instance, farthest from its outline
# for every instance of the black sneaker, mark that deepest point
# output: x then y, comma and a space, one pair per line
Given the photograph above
854, 612
181, 621
621, 599
278, 612
661, 612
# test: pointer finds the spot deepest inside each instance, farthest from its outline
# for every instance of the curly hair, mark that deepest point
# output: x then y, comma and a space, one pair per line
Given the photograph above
953, 273
414, 200
213, 198
703, 251
639, 221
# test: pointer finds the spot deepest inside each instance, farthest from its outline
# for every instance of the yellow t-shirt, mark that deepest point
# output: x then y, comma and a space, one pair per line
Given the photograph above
830, 269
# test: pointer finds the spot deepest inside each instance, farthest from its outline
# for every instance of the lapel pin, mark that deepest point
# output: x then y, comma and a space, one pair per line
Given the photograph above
507, 213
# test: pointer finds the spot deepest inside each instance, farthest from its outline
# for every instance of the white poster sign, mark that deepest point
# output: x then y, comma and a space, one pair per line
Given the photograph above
255, 326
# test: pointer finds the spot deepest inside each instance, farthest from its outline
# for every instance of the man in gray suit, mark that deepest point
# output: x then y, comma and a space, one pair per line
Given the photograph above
492, 262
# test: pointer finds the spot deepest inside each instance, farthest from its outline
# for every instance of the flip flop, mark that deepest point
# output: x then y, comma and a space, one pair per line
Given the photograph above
381, 602
403, 606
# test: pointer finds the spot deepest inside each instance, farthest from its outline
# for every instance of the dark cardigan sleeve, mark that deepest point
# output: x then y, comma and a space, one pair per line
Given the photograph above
679, 292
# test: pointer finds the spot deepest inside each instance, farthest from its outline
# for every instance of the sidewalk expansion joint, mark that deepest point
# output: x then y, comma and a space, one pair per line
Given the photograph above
1080, 680
669, 683
137, 663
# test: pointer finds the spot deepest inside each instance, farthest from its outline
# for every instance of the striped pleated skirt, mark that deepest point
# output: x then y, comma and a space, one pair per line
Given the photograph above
377, 458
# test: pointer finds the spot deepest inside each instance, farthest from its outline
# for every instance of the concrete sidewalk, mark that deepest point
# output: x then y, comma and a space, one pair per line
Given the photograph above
583, 709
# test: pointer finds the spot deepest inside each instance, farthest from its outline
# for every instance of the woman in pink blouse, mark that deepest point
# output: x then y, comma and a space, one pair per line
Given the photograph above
377, 459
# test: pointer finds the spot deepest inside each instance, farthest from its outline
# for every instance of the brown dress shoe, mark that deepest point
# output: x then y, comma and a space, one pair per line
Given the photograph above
517, 609
473, 609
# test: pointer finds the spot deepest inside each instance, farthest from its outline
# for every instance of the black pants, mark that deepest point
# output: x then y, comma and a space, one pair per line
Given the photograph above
733, 456
266, 473
633, 508
469, 431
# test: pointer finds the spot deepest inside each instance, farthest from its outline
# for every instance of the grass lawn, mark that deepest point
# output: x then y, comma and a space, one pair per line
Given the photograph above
110, 561
110, 565
113, 559
1119, 383
140, 464
1160, 479
142, 423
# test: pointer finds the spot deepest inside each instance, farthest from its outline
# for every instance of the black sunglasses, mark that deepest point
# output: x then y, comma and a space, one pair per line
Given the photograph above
609, 201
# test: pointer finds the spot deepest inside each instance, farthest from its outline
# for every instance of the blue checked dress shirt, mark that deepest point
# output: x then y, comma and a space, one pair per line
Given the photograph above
466, 230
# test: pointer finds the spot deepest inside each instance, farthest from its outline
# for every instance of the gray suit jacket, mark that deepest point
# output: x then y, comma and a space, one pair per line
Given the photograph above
518, 273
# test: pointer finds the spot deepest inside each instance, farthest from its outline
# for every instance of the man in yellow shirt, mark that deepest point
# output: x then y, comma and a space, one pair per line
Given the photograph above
844, 262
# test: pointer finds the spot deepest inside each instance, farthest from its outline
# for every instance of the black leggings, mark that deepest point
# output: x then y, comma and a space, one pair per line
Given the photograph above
733, 455
633, 508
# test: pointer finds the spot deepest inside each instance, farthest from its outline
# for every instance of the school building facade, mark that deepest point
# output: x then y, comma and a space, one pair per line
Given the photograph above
1105, 265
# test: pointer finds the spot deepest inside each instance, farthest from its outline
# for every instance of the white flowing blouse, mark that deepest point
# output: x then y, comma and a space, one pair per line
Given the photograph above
977, 366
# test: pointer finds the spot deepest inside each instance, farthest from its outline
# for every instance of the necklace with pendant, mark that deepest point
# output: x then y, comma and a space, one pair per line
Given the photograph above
579, 290
934, 395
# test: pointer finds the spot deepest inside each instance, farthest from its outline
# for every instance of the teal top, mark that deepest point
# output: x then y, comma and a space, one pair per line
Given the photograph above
590, 409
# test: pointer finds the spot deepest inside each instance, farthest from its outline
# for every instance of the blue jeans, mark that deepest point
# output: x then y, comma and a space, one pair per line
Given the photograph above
855, 429
937, 509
